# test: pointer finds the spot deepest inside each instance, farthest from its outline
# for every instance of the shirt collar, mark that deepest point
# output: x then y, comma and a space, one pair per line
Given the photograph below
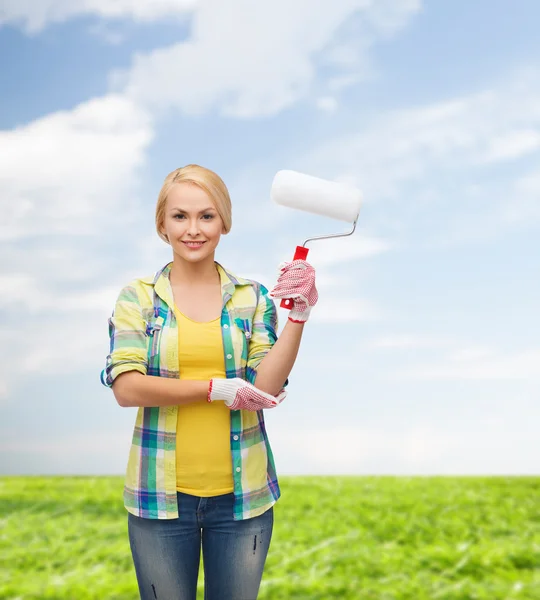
229, 282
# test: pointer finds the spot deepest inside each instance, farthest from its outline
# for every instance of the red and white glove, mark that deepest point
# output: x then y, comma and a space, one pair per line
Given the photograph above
240, 394
297, 282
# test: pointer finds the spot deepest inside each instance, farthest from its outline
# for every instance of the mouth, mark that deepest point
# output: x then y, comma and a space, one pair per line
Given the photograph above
193, 245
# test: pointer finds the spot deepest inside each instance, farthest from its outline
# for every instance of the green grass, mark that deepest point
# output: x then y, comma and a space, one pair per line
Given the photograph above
383, 538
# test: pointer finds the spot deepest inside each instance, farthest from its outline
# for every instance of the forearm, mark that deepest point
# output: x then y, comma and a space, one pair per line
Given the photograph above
135, 389
276, 366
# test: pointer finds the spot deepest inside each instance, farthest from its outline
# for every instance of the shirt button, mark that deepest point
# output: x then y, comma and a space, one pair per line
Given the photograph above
225, 326
238, 469
229, 355
235, 437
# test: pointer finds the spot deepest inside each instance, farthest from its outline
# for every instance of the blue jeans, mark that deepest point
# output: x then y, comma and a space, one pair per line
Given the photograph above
166, 552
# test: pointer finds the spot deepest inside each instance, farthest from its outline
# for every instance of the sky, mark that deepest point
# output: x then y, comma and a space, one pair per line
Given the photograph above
422, 356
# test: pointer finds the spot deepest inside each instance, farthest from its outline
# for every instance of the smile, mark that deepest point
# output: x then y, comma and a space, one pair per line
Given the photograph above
194, 245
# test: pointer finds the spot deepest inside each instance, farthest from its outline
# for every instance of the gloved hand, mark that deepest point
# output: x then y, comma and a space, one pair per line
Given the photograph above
297, 281
240, 394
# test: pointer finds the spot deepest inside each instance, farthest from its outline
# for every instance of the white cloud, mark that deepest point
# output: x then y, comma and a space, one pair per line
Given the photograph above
529, 184
98, 452
472, 353
67, 191
511, 145
328, 253
15, 288
55, 339
39, 297
108, 34
34, 16
64, 330
344, 309
71, 172
56, 260
327, 103
406, 157
422, 449
523, 201
490, 209
347, 448
336, 84
405, 144
409, 341
477, 364
77, 345
249, 59
98, 442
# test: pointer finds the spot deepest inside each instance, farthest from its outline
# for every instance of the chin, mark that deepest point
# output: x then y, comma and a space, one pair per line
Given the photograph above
193, 257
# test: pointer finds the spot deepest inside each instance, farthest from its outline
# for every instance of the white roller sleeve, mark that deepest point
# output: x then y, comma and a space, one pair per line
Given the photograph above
314, 195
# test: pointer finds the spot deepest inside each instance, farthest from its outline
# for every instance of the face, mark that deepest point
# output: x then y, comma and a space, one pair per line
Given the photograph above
191, 223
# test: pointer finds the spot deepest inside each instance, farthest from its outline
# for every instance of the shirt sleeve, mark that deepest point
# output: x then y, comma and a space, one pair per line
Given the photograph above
128, 338
263, 333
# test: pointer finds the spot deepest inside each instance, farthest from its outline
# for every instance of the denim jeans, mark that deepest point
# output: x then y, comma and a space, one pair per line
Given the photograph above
166, 552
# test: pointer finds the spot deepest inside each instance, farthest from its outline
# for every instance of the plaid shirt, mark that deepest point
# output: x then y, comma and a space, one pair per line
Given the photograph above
144, 337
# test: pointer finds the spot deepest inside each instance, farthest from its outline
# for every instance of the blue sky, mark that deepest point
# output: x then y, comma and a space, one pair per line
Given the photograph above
422, 356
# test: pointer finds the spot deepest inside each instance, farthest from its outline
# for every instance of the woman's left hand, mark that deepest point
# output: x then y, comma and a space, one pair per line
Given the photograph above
297, 282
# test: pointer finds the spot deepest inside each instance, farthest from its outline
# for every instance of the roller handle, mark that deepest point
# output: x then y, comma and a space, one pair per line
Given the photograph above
300, 254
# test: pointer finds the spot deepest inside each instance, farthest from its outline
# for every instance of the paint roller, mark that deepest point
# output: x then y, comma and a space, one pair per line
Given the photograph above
319, 196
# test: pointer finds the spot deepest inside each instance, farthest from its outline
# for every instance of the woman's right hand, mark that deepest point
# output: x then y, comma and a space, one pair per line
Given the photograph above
240, 394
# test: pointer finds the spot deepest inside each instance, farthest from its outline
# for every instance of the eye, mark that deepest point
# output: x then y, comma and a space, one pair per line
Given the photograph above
178, 216
208, 217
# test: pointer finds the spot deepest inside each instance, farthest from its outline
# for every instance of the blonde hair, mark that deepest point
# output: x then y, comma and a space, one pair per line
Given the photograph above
208, 181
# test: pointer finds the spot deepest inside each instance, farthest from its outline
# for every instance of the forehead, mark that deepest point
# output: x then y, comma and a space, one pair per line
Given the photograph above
188, 196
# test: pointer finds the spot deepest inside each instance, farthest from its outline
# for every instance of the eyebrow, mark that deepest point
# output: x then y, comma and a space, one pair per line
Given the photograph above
181, 210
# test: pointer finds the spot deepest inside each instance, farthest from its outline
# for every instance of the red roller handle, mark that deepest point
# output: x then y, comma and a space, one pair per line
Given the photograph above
300, 254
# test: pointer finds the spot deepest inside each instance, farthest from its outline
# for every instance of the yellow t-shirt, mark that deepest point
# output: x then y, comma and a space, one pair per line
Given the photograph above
203, 451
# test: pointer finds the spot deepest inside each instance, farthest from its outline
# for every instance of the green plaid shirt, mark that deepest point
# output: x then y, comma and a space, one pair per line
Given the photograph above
144, 337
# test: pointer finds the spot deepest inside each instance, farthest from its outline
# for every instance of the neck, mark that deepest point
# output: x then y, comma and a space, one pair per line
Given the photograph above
183, 272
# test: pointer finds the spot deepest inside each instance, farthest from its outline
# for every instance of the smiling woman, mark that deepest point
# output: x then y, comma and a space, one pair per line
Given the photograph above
195, 348
203, 185
190, 222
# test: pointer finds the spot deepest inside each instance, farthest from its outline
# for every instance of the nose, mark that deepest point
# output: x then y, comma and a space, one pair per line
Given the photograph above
193, 228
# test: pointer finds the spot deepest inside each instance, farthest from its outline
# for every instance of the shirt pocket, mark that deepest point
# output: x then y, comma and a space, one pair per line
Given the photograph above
242, 337
154, 330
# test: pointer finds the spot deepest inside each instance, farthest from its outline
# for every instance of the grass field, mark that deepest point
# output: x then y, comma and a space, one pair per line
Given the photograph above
383, 538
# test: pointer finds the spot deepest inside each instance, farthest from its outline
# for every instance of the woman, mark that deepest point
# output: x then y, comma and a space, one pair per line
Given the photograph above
195, 348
